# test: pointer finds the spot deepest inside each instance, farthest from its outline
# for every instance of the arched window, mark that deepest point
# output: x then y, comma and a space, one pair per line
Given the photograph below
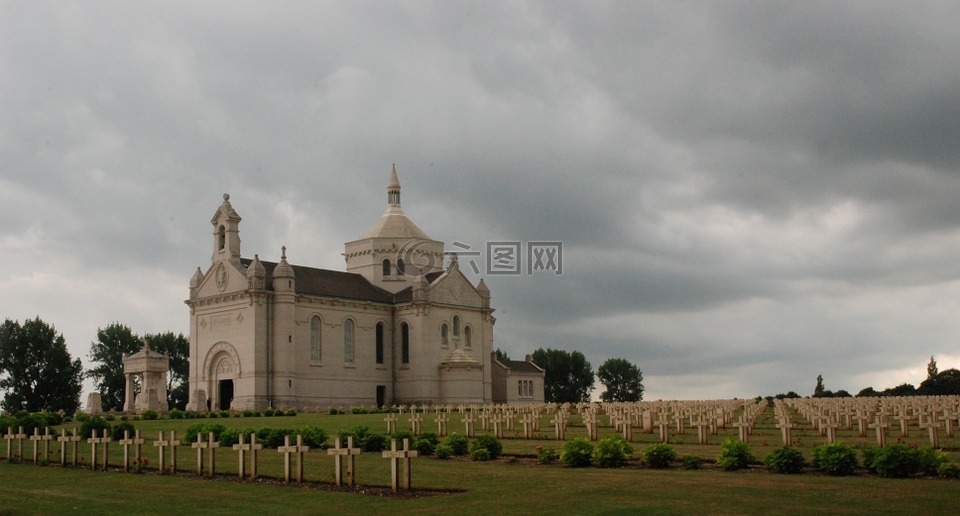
386, 266
348, 340
444, 337
379, 343
315, 351
400, 268
222, 238
456, 325
467, 335
405, 343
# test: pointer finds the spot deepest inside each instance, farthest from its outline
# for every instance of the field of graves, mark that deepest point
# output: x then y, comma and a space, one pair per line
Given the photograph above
32, 479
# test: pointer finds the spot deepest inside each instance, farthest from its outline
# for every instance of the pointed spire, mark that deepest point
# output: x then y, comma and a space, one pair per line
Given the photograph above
283, 269
393, 188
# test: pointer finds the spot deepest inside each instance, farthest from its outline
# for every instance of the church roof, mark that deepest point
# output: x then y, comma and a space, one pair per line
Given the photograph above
520, 366
406, 295
394, 223
328, 283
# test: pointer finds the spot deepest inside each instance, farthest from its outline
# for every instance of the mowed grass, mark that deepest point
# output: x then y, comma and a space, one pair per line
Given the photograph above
513, 484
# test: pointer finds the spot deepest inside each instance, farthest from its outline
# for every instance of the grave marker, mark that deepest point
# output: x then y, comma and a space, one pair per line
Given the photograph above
338, 454
286, 450
36, 445
395, 455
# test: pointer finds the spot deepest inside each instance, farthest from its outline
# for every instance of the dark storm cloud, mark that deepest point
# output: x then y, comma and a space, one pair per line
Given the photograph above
740, 187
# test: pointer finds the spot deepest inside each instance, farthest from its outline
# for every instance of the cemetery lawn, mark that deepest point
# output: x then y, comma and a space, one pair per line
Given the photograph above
490, 487
515, 483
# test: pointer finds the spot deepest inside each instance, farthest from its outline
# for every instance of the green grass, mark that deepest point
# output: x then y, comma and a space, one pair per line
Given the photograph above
513, 484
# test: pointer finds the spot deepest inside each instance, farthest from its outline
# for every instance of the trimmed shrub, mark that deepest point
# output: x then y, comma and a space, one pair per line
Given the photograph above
895, 461
110, 417
149, 415
93, 423
488, 442
612, 452
231, 436
480, 455
459, 444
118, 429
313, 436
191, 415
835, 458
291, 412
931, 460
577, 453
268, 412
660, 455
785, 460
224, 413
546, 455
734, 455
375, 443
176, 414
360, 433
443, 451
691, 462
203, 429
426, 443
948, 470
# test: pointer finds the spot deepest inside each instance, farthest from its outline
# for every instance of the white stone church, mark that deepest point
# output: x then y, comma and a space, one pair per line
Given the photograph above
400, 326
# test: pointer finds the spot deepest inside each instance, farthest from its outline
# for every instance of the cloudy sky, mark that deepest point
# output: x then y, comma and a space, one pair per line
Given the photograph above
749, 194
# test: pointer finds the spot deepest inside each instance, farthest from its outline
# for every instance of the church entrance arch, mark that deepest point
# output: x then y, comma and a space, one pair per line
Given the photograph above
222, 367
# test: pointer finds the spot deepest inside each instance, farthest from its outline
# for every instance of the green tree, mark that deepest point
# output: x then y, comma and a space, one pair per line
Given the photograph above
502, 356
177, 347
623, 381
867, 392
904, 389
36, 370
818, 391
568, 377
932, 368
107, 352
945, 383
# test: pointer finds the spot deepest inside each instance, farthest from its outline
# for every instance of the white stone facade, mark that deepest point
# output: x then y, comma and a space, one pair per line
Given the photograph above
398, 327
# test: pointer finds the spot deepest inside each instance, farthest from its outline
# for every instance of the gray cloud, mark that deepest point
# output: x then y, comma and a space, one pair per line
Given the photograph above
748, 194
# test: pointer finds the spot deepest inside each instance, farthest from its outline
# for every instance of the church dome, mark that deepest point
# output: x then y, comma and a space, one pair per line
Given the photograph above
394, 223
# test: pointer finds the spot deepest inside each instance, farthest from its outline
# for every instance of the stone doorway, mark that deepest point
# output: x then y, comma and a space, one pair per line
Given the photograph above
225, 394
381, 396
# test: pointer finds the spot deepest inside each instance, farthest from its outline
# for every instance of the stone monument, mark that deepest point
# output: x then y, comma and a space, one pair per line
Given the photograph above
152, 368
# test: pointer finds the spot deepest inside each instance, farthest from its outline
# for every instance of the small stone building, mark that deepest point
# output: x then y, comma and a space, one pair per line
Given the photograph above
517, 381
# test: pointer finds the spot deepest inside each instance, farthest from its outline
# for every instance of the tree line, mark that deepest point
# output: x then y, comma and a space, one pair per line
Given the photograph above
569, 378
937, 383
38, 374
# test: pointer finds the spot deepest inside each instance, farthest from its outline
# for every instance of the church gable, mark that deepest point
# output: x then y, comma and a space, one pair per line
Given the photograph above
221, 278
453, 288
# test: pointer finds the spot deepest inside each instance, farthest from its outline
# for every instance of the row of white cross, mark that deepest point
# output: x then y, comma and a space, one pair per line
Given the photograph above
246, 450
